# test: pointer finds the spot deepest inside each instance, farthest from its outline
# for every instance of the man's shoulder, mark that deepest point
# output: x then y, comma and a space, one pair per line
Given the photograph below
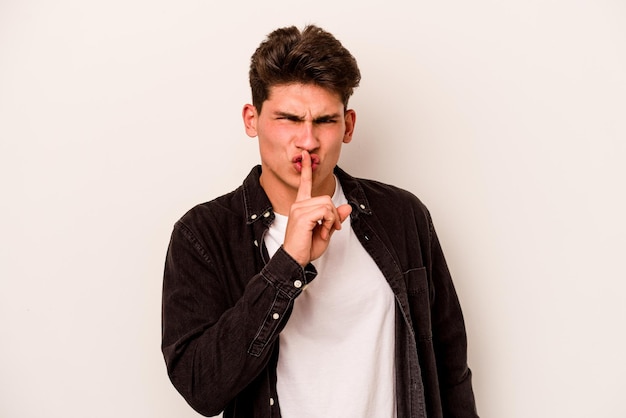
396, 209
387, 188
382, 194
219, 209
228, 206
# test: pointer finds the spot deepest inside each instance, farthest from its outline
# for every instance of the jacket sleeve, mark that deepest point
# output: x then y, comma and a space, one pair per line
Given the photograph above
214, 349
449, 338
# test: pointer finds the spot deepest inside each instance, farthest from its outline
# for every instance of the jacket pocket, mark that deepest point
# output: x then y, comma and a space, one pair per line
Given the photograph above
419, 302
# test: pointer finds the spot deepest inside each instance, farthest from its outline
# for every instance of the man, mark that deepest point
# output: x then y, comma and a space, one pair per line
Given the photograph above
307, 292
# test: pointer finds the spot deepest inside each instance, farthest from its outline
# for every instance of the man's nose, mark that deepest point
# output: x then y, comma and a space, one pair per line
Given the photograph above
307, 137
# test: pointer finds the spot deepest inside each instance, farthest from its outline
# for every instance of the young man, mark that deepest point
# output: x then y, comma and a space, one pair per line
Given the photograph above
307, 292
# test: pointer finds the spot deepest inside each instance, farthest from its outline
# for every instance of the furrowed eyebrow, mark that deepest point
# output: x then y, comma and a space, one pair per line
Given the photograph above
326, 118
289, 116
323, 118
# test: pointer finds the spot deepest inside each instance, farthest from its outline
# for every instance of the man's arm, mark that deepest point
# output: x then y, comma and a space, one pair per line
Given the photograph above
449, 339
213, 350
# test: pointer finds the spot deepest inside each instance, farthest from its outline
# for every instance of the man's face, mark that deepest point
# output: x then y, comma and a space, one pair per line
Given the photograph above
294, 118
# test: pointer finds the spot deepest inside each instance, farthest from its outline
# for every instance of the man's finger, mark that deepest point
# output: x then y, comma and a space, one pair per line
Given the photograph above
343, 211
306, 178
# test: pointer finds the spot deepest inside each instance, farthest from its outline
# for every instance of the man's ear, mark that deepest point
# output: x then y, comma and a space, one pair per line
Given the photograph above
250, 118
350, 120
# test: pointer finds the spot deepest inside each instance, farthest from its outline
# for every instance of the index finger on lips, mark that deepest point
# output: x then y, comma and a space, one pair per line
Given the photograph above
306, 178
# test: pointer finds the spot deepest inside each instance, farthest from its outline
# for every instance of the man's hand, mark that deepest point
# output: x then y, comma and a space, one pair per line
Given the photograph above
312, 221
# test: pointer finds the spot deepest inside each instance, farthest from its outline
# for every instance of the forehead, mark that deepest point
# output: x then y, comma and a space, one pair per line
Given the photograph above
303, 98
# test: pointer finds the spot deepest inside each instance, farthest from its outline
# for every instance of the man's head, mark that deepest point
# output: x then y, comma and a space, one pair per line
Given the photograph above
311, 56
303, 81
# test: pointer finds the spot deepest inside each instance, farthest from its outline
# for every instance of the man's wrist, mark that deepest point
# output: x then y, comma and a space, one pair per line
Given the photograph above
284, 272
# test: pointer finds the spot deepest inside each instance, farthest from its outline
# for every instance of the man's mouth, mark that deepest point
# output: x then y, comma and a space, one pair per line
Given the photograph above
315, 162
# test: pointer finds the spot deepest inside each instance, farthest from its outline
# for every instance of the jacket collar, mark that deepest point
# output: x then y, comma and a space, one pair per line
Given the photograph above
258, 206
354, 193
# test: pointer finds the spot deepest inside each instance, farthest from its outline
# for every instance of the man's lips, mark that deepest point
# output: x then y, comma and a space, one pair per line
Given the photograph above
297, 162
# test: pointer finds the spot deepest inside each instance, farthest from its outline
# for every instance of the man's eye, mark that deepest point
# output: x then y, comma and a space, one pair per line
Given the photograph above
321, 121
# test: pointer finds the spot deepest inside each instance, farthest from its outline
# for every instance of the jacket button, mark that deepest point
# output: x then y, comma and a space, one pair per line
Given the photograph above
276, 315
253, 217
297, 284
271, 401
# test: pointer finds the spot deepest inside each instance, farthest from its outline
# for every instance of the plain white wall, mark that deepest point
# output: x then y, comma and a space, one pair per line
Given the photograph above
506, 117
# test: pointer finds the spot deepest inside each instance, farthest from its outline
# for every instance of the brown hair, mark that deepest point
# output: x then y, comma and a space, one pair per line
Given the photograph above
312, 56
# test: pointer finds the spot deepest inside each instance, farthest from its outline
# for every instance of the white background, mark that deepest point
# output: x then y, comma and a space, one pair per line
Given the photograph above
507, 118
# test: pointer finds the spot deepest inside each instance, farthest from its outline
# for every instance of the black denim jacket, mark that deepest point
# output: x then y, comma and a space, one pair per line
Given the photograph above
221, 293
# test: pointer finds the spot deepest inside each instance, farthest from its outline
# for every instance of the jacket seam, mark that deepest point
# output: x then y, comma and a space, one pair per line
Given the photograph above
194, 241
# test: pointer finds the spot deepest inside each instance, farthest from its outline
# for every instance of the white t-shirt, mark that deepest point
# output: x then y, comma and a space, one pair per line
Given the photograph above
336, 354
